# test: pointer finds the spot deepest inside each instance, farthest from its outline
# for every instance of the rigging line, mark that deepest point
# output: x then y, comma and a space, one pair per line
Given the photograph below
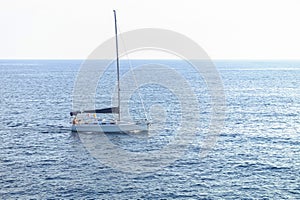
131, 70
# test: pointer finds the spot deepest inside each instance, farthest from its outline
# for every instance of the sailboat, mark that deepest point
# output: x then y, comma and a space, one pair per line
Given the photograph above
88, 121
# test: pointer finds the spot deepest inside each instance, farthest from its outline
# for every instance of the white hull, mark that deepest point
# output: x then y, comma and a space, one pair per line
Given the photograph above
110, 128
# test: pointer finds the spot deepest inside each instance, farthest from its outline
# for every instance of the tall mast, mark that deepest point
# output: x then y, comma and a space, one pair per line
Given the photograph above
118, 67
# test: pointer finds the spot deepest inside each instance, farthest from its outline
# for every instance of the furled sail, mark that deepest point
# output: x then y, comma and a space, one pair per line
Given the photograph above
103, 110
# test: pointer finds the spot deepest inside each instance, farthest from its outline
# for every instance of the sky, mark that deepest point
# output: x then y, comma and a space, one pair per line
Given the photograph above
225, 29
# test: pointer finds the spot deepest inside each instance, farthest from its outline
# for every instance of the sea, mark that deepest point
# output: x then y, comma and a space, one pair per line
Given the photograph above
229, 132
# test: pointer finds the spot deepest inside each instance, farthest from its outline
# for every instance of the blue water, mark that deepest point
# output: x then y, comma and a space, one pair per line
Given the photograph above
257, 153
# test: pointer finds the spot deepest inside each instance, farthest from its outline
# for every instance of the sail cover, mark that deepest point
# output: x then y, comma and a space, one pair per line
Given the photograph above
103, 110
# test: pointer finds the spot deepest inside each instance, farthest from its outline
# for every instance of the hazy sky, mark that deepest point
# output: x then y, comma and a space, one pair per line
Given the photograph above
226, 29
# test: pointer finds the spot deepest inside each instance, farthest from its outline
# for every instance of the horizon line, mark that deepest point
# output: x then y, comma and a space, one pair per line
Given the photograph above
213, 59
